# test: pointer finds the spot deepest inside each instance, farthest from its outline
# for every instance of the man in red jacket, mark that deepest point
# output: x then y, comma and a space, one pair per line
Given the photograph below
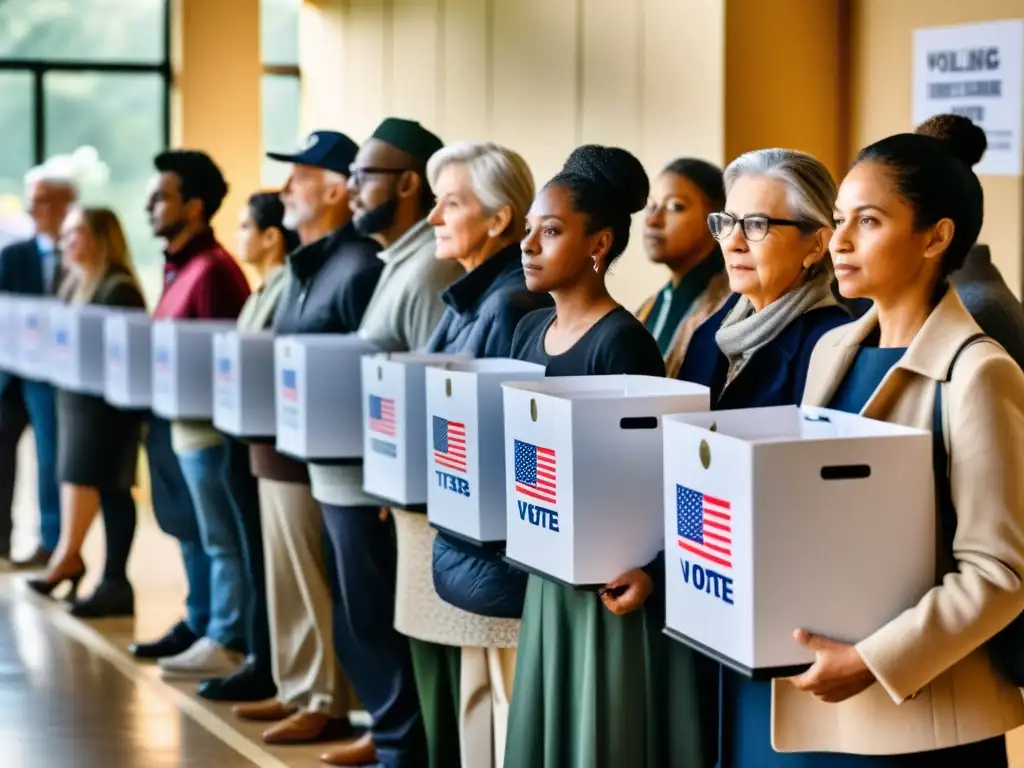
201, 282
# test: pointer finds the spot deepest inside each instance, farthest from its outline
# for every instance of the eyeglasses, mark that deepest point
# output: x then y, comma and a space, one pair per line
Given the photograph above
358, 175
755, 228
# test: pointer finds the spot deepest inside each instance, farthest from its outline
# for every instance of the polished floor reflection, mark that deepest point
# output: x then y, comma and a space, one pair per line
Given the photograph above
62, 704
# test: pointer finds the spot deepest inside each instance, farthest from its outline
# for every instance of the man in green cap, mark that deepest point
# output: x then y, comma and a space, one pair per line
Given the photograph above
390, 198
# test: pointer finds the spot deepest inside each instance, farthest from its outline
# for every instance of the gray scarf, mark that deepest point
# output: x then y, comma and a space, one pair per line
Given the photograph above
745, 331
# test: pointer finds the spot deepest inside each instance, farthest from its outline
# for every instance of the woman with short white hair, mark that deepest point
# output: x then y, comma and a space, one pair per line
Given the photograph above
462, 612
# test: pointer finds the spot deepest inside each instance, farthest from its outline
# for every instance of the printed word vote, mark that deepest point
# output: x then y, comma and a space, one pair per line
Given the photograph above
703, 579
452, 483
539, 516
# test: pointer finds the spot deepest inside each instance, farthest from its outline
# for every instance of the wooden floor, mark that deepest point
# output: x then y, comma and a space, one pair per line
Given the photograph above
70, 694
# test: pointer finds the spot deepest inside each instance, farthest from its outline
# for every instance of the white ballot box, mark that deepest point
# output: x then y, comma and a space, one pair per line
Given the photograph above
128, 360
583, 472
789, 518
77, 361
394, 412
33, 322
8, 332
466, 445
318, 396
243, 383
183, 367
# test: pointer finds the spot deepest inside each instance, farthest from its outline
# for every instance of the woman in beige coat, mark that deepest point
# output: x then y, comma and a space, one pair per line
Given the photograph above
925, 689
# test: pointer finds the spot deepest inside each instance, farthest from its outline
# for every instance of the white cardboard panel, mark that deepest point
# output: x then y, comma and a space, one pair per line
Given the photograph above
34, 337
583, 463
394, 412
183, 367
787, 518
128, 360
466, 445
8, 332
318, 395
243, 383
76, 351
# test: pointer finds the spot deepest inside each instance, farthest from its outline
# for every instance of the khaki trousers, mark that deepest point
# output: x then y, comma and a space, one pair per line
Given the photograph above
299, 604
485, 687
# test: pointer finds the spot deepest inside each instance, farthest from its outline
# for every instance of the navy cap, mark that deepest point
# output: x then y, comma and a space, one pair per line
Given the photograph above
329, 150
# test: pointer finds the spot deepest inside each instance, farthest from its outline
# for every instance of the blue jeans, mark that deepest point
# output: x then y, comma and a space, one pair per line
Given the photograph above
222, 542
42, 414
176, 516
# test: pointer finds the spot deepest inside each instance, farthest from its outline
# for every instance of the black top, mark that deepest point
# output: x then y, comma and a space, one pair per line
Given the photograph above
485, 306
330, 284
679, 299
618, 343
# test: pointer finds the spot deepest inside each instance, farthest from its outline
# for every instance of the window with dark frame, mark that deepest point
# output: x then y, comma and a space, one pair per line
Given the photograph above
281, 83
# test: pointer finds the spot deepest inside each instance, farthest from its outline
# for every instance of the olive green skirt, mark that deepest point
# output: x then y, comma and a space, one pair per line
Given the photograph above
596, 690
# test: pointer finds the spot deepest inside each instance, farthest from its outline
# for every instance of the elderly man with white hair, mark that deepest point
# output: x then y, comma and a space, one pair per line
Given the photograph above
33, 267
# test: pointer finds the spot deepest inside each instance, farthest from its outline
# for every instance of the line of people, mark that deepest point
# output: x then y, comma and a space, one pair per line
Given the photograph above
309, 599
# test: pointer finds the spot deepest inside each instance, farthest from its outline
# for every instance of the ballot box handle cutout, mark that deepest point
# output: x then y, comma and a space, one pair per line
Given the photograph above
846, 472
817, 417
639, 422
448, 387
380, 373
533, 409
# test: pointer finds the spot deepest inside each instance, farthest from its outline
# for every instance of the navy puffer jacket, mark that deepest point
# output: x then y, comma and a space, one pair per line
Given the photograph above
484, 308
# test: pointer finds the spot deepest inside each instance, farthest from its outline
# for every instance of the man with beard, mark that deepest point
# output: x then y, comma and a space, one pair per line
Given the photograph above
391, 199
331, 277
33, 267
201, 282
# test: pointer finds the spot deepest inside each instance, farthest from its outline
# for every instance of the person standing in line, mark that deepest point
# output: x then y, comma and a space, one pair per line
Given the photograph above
201, 282
98, 445
676, 235
464, 632
33, 268
328, 281
390, 198
585, 689
263, 244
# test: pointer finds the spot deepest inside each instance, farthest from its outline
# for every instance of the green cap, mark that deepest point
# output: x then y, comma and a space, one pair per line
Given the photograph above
409, 136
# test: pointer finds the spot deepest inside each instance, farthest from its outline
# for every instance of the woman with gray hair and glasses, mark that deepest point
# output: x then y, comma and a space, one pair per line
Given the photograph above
459, 604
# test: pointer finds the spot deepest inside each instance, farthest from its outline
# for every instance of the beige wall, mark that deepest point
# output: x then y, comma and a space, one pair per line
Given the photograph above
882, 104
541, 76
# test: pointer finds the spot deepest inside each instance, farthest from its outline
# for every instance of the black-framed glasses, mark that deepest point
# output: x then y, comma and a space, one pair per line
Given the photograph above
755, 228
358, 175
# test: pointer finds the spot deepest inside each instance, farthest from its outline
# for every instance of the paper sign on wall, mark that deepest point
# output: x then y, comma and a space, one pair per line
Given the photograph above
975, 70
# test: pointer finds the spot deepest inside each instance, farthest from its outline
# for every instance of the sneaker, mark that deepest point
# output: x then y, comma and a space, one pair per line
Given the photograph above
178, 639
206, 658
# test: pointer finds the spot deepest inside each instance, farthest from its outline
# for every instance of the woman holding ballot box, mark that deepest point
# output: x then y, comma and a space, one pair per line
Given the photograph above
927, 688
585, 693
754, 352
483, 192
98, 445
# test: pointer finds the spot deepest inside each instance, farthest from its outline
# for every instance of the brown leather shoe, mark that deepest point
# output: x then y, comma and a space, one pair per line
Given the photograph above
357, 752
264, 711
35, 562
300, 728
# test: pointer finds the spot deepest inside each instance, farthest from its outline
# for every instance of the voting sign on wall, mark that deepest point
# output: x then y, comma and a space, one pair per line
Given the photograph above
975, 70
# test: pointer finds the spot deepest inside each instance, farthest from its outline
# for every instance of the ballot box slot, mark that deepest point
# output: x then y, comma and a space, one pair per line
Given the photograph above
846, 472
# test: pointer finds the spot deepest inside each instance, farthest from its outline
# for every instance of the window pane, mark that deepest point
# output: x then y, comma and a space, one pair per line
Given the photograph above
281, 95
89, 30
121, 117
279, 31
16, 151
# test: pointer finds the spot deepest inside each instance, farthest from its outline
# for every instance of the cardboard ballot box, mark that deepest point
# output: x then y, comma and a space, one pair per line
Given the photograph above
779, 519
318, 396
466, 445
33, 322
77, 361
8, 332
183, 367
128, 360
243, 383
583, 464
394, 414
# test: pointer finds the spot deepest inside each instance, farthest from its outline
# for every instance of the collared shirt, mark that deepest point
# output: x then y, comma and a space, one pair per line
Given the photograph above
674, 301
48, 261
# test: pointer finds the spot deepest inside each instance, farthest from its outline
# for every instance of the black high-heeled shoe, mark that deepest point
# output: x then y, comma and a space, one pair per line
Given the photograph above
45, 588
